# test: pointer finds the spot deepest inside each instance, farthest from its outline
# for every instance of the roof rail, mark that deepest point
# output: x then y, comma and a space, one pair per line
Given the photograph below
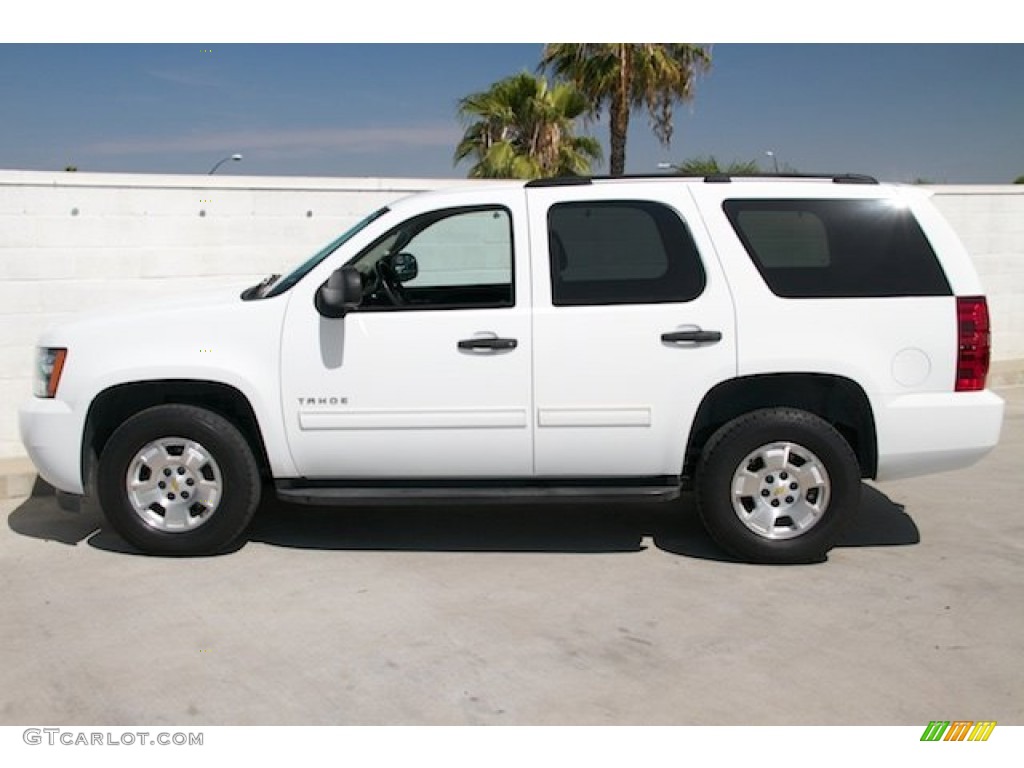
853, 178
709, 178
560, 181
837, 178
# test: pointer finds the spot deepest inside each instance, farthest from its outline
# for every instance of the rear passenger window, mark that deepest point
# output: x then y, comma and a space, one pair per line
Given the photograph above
621, 252
837, 248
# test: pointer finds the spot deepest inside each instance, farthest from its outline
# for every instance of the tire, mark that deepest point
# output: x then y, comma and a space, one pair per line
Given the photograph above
777, 486
178, 480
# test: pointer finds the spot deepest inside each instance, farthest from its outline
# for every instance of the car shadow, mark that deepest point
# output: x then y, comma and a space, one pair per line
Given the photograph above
881, 522
40, 518
557, 528
537, 527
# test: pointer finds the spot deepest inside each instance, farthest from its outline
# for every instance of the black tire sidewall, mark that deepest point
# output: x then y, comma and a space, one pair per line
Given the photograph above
239, 473
734, 442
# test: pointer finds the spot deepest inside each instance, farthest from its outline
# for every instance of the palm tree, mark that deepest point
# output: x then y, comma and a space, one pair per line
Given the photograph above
625, 76
709, 165
523, 128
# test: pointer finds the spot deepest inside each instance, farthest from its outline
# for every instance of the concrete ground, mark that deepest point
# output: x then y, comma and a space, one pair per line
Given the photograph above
530, 615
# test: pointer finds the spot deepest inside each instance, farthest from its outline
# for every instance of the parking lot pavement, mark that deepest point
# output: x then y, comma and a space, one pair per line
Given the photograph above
526, 615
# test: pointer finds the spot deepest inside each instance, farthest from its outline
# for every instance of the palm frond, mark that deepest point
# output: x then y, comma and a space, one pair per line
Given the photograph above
523, 128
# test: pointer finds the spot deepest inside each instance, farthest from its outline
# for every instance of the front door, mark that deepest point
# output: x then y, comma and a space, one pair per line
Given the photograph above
431, 375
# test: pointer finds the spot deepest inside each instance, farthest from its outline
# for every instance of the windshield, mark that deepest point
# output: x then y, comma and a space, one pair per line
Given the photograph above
307, 266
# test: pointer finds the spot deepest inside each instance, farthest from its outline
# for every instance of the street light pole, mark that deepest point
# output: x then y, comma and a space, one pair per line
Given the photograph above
219, 163
775, 160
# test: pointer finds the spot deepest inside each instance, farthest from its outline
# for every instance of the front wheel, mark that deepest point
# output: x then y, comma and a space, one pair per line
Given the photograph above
777, 486
178, 480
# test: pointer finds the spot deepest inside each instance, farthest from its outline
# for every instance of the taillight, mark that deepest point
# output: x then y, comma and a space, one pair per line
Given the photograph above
974, 343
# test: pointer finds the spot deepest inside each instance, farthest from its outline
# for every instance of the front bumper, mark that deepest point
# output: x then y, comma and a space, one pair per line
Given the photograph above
52, 434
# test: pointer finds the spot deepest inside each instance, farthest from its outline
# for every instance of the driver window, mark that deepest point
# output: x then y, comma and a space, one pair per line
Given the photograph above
457, 258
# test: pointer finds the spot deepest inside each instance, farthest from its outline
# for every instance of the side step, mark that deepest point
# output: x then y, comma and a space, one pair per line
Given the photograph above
372, 492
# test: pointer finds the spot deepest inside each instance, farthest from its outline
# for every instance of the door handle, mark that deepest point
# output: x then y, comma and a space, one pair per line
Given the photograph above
488, 342
697, 335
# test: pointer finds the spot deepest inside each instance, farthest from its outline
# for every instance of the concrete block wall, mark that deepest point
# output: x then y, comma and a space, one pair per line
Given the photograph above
70, 242
990, 222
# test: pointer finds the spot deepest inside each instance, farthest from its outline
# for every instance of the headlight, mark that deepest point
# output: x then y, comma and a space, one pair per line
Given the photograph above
49, 364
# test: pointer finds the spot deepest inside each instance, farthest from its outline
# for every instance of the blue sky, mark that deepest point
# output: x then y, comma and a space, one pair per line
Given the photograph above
946, 113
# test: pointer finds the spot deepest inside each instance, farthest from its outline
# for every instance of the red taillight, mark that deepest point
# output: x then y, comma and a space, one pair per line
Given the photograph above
974, 343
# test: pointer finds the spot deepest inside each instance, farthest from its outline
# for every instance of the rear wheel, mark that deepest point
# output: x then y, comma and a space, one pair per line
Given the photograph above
777, 486
178, 480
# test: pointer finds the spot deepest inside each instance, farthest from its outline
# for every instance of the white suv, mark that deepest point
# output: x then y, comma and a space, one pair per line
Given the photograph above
767, 341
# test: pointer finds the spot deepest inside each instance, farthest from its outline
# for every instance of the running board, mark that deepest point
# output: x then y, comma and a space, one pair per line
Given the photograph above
408, 492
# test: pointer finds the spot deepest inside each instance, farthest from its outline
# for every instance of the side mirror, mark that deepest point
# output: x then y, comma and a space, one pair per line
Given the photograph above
342, 292
403, 266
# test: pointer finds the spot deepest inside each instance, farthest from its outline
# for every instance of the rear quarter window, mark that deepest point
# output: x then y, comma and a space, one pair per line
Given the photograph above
837, 248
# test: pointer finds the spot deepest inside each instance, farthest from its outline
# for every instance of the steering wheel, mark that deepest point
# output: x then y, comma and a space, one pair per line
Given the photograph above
387, 280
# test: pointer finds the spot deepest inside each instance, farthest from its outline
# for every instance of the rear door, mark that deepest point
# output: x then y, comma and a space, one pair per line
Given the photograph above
633, 324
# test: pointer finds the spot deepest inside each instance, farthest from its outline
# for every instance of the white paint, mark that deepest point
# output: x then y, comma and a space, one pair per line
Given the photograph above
911, 367
854, 339
914, 431
594, 417
636, 393
417, 401
71, 242
455, 418
414, 397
